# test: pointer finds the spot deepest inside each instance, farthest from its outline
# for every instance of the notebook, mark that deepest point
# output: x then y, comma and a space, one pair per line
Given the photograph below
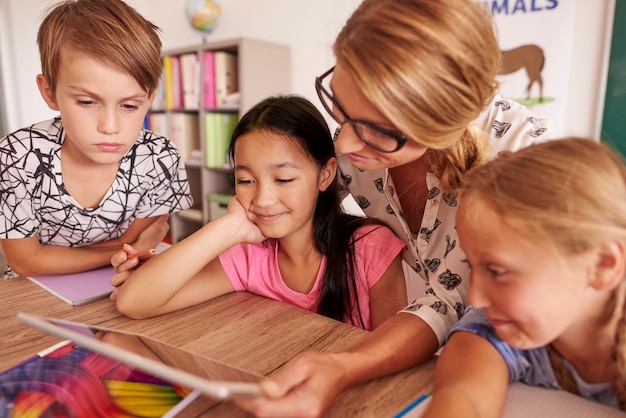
107, 370
531, 401
83, 287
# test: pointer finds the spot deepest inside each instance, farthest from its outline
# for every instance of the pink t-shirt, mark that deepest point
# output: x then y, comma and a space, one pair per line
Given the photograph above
254, 267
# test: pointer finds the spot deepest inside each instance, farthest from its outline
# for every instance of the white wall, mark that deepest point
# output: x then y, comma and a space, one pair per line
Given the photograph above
308, 27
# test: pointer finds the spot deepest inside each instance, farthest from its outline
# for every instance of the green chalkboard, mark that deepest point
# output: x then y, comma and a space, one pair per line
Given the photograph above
614, 119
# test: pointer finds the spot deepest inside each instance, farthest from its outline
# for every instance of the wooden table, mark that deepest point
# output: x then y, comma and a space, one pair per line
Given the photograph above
241, 329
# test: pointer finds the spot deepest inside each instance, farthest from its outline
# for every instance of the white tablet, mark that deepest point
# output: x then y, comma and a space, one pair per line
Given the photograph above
211, 377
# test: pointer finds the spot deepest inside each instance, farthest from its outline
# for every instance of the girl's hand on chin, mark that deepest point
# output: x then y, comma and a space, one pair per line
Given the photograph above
252, 234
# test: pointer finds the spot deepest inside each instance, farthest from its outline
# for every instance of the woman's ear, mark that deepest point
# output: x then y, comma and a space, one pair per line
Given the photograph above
46, 92
610, 267
328, 173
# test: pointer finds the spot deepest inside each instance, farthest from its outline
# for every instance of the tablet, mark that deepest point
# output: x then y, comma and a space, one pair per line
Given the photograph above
210, 377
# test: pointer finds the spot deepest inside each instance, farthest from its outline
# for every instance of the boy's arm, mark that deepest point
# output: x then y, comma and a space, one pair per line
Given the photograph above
27, 257
471, 379
142, 234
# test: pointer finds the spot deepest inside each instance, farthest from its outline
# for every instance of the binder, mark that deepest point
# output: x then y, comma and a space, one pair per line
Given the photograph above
208, 79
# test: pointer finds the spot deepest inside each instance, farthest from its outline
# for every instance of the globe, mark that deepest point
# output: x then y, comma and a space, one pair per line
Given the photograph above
203, 14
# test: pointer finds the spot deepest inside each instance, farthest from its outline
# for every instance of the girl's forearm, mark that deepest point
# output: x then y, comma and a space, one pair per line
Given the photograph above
171, 270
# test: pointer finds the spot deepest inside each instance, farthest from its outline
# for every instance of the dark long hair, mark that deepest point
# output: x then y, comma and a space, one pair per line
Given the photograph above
297, 119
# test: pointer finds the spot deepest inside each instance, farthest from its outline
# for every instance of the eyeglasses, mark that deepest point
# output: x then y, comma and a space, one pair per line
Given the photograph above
380, 139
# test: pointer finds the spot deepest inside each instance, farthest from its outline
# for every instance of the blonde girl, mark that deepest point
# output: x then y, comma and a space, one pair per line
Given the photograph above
544, 232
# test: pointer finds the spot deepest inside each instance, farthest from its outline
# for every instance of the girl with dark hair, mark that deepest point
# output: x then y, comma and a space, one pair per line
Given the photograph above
284, 235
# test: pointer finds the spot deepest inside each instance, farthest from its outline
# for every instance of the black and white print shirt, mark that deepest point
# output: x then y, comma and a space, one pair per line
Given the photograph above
433, 252
151, 181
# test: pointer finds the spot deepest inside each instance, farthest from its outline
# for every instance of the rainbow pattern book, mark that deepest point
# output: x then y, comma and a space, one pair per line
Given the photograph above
108, 373
68, 380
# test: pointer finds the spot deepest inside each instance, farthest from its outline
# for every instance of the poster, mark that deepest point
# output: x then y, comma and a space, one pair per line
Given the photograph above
535, 37
613, 128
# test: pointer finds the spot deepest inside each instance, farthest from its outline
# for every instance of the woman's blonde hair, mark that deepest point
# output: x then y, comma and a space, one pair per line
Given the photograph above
429, 66
568, 195
109, 31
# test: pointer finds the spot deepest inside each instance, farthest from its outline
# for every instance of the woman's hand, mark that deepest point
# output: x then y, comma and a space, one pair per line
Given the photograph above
305, 387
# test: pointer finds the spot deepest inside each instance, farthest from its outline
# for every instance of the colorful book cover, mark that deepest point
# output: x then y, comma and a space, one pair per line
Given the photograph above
69, 381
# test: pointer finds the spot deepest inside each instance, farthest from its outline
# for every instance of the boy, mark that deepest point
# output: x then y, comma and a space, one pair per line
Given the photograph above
75, 188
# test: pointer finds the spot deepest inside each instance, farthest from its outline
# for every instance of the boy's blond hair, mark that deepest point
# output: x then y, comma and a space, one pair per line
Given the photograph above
109, 31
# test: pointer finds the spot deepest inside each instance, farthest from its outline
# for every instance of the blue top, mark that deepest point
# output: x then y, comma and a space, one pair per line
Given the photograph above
531, 366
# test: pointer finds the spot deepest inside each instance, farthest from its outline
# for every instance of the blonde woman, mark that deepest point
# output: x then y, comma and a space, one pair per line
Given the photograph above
414, 92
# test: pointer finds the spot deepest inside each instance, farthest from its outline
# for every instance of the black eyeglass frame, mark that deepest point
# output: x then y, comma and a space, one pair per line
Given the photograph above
319, 88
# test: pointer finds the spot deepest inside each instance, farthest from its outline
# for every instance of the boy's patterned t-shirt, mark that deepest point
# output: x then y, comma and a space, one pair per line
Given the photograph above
151, 181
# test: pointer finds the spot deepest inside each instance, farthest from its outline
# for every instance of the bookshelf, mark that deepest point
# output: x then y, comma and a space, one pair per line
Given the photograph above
204, 91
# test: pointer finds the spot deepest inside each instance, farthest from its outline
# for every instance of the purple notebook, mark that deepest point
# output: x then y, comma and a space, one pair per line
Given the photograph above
78, 288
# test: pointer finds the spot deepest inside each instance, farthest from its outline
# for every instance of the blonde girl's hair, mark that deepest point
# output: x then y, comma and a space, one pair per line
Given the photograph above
567, 194
109, 31
429, 66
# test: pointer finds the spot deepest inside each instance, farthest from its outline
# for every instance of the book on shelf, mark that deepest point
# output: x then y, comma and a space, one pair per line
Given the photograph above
190, 73
184, 132
83, 287
173, 84
208, 79
226, 76
218, 204
219, 129
177, 82
168, 81
158, 123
